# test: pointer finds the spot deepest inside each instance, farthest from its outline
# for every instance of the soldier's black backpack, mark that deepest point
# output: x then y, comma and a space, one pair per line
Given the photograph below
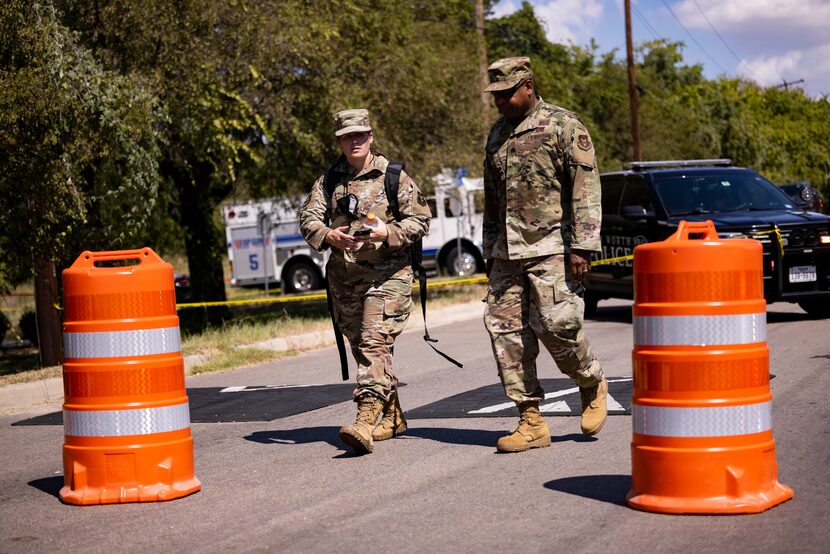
391, 182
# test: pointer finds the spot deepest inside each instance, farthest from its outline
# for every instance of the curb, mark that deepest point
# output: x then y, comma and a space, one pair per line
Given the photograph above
49, 392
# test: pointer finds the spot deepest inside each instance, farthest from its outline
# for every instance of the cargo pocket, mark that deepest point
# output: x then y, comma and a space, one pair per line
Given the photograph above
568, 309
396, 310
504, 312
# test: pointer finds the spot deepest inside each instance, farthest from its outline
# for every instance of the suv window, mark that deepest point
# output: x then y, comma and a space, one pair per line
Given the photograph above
612, 188
714, 193
636, 193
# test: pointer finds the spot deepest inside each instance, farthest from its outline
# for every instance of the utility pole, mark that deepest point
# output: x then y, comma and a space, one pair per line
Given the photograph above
482, 58
632, 83
786, 84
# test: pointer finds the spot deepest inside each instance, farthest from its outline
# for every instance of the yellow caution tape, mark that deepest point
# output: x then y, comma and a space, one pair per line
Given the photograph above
775, 232
608, 261
308, 297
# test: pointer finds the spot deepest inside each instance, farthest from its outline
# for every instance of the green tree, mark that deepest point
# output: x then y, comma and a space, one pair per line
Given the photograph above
77, 156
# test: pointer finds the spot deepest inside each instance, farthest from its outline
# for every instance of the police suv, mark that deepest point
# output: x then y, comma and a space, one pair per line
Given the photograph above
646, 202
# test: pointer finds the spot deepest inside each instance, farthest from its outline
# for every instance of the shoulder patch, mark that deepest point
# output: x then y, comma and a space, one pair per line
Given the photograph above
422, 199
583, 141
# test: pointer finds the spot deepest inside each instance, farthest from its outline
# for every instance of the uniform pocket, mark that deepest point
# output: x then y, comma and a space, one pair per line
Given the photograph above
397, 306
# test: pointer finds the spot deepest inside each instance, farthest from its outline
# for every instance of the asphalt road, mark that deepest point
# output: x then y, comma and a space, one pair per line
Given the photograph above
287, 485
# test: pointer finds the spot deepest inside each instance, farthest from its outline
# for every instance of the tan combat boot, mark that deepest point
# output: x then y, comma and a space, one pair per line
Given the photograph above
359, 435
594, 409
532, 431
393, 423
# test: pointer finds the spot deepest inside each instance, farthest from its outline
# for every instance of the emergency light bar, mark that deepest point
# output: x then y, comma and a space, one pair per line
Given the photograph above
720, 162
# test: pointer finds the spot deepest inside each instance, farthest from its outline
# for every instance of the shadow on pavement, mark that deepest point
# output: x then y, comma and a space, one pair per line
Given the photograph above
606, 488
303, 435
575, 437
785, 317
472, 437
619, 314
476, 437
50, 485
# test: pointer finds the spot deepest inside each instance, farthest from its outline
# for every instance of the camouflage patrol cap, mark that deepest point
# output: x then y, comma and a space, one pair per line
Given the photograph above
351, 121
506, 73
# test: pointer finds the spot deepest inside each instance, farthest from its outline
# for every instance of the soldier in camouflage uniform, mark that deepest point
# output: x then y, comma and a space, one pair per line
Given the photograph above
541, 224
370, 278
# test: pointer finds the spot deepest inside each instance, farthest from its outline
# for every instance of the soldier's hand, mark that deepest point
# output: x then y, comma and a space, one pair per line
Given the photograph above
580, 262
338, 238
379, 234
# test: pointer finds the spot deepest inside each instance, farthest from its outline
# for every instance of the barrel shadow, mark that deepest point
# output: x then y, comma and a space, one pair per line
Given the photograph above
605, 488
302, 435
50, 485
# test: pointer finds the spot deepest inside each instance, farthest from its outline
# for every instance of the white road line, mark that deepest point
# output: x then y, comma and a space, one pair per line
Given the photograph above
555, 406
558, 406
266, 387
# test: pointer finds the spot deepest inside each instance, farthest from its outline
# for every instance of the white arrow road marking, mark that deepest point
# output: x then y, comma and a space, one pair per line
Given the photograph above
558, 406
266, 387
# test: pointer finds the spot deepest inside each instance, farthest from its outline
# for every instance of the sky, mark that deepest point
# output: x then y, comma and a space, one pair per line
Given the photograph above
769, 42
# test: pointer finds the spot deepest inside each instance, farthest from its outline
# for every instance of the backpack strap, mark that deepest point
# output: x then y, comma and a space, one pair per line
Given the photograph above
330, 181
391, 184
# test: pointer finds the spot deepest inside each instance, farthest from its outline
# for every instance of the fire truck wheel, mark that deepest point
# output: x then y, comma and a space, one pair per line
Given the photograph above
301, 276
466, 264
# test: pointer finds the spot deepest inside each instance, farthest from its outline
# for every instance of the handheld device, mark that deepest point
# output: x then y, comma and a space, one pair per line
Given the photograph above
362, 233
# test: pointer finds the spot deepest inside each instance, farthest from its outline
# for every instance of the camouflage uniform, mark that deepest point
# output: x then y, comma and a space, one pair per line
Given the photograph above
542, 200
371, 286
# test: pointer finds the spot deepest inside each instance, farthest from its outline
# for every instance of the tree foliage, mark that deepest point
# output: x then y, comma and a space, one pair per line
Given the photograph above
127, 123
79, 149
782, 134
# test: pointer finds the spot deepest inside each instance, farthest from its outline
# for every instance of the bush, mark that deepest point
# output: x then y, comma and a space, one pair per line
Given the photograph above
28, 327
5, 325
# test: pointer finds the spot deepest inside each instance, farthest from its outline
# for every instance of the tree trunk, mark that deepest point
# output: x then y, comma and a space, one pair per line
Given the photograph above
204, 242
46, 309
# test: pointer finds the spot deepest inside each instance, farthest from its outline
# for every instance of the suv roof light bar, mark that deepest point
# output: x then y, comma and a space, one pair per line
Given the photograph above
679, 163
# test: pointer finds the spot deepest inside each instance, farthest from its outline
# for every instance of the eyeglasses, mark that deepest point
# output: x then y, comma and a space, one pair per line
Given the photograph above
508, 94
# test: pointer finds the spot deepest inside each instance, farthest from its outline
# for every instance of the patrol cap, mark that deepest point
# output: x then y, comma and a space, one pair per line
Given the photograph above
351, 121
506, 73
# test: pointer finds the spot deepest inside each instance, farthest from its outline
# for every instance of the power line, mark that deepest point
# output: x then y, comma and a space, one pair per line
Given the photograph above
645, 21
714, 61
738, 58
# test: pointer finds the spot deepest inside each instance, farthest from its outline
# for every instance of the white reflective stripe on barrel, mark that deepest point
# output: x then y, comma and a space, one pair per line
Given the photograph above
700, 330
702, 422
141, 342
118, 423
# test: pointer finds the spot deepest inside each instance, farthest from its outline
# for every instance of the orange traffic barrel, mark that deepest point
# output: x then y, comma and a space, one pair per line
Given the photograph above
701, 405
126, 416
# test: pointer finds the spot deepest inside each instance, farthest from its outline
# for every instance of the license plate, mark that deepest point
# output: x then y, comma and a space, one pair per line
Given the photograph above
802, 273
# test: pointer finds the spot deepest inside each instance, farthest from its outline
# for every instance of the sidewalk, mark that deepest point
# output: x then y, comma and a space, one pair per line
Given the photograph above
49, 392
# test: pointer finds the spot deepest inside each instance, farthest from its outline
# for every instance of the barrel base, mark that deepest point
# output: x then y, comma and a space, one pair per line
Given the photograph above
103, 474
685, 478
747, 504
121, 495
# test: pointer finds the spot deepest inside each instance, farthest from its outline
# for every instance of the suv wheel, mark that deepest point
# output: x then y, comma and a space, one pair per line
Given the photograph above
818, 308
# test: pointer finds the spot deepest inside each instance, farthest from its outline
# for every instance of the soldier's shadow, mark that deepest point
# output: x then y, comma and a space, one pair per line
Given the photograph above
476, 437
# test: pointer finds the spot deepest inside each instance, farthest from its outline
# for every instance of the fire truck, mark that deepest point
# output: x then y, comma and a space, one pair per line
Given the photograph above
265, 246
